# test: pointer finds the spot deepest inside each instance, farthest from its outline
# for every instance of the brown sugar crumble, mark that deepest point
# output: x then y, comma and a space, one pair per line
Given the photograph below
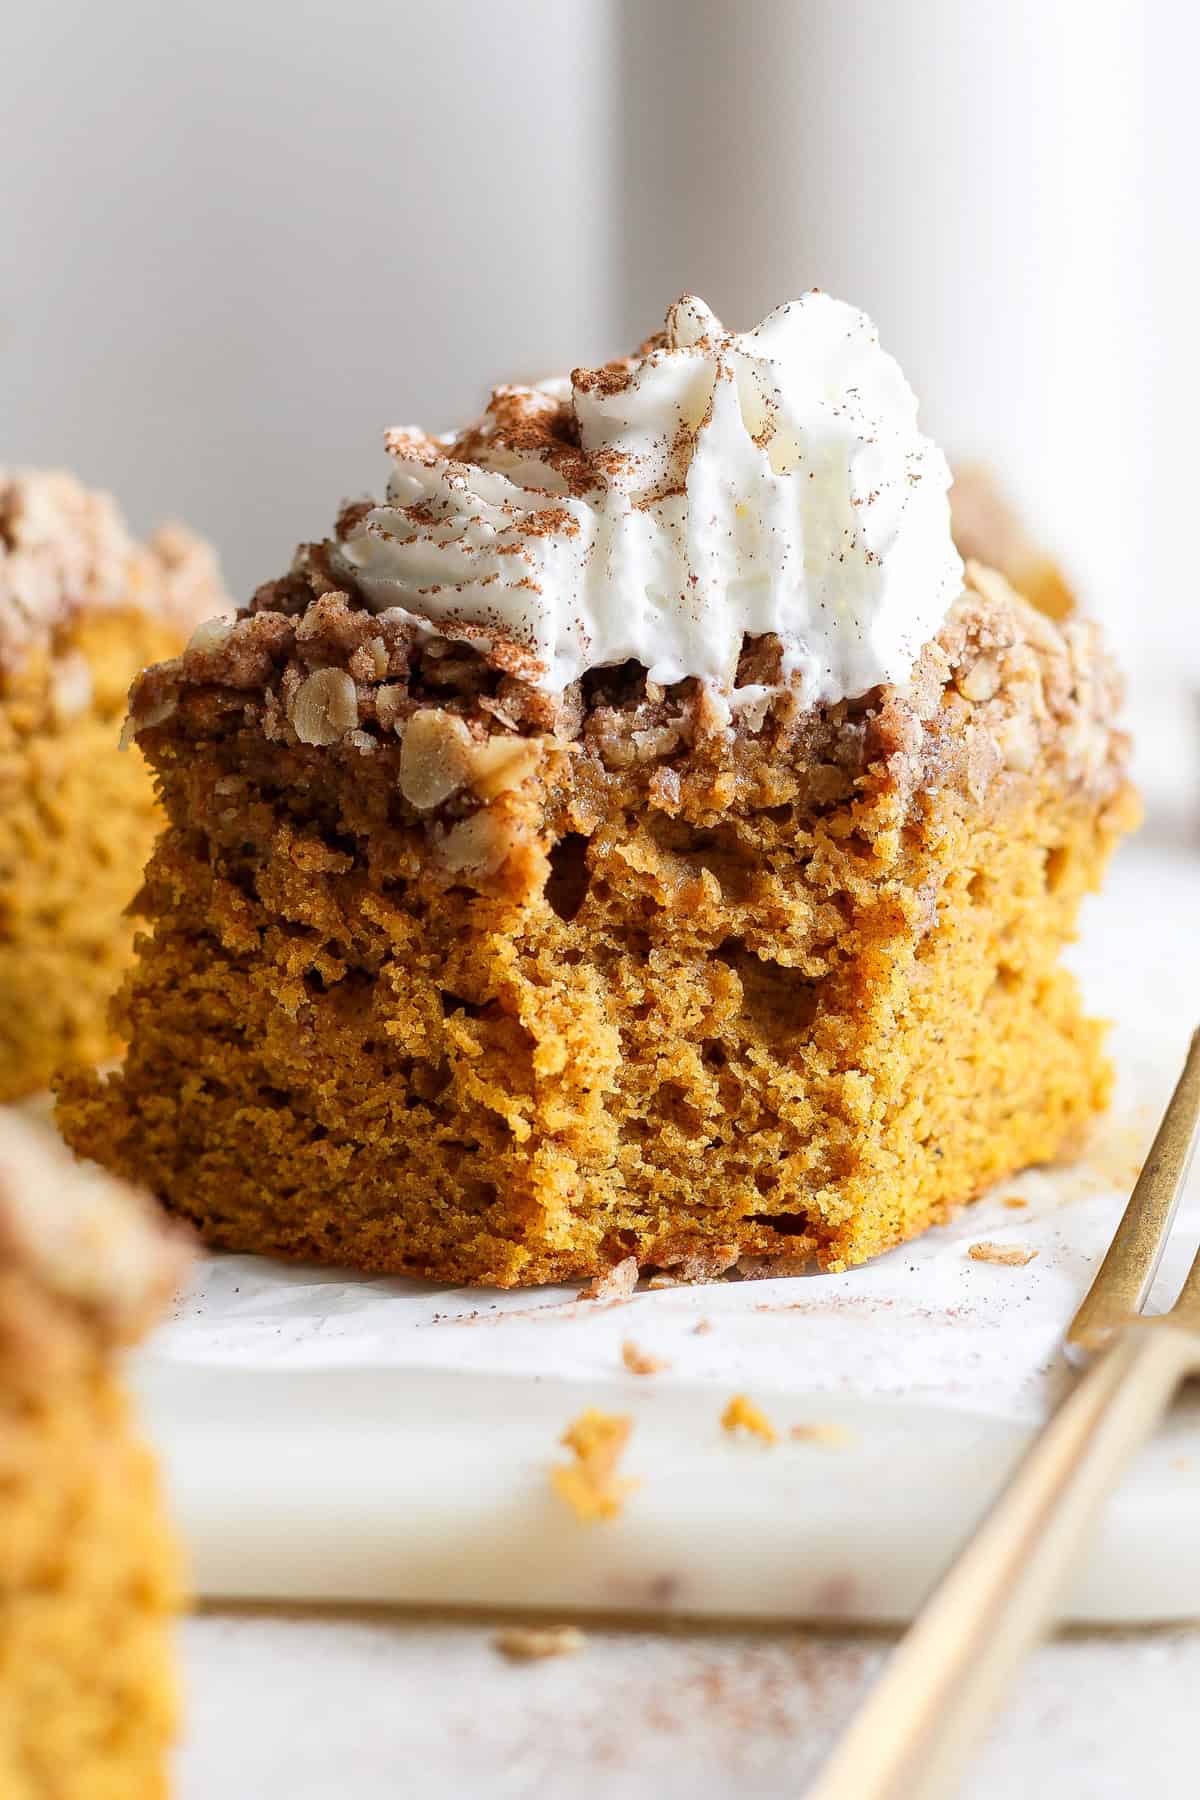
589, 1485
639, 1362
743, 1415
1012, 1255
535, 1643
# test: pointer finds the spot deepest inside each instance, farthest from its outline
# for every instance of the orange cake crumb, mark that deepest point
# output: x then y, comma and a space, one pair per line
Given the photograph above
1015, 1203
743, 1415
639, 1362
1013, 1255
589, 1485
534, 1643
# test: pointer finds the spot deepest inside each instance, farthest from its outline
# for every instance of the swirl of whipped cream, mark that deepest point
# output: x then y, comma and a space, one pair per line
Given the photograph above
716, 485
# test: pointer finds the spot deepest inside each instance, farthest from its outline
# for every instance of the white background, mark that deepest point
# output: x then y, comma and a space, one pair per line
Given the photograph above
239, 238
242, 237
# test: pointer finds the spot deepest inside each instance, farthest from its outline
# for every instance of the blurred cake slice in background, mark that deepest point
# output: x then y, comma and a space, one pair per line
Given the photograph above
90, 1581
988, 530
83, 608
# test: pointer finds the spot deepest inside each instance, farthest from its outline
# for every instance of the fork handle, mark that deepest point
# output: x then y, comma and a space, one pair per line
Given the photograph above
955, 1664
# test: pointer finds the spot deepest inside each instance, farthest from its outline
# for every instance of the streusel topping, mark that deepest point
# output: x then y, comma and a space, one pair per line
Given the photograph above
1000, 698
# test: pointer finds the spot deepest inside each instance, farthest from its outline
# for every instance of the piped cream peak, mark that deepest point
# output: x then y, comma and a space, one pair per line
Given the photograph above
718, 485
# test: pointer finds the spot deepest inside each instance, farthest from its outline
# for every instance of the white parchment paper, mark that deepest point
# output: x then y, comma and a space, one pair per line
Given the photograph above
935, 1364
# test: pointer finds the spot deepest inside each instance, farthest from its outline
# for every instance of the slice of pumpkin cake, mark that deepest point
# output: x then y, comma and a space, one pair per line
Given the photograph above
635, 837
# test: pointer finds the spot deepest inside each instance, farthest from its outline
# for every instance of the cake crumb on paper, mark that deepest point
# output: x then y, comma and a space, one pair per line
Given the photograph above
702, 1327
832, 1437
617, 1283
640, 1362
1015, 1203
534, 1643
742, 1415
1014, 1255
589, 1485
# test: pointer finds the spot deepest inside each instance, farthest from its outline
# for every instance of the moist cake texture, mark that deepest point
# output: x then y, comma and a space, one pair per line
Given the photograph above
452, 970
82, 609
444, 979
89, 1577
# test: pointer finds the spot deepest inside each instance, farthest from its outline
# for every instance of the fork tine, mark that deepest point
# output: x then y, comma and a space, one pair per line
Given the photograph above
1127, 1273
1186, 1310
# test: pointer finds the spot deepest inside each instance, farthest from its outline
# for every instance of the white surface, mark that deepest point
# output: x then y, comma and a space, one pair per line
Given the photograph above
379, 1440
308, 1708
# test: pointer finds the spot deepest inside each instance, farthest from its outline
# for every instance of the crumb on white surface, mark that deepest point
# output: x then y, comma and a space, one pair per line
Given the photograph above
743, 1415
534, 1643
589, 1485
831, 1436
1013, 1255
617, 1283
639, 1361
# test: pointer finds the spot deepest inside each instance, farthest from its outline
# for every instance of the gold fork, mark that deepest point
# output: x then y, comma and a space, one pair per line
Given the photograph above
1000, 1596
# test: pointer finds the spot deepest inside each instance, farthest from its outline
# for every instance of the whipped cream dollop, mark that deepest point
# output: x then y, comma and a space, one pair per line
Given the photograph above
716, 485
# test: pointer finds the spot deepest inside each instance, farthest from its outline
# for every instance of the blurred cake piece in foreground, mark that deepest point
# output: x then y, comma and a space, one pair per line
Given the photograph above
83, 608
89, 1578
